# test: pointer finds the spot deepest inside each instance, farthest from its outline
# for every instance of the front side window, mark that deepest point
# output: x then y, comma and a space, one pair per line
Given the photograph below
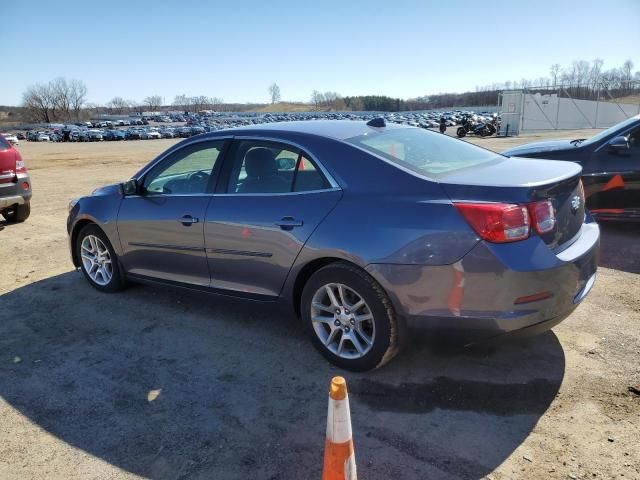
634, 140
426, 153
270, 167
611, 130
186, 171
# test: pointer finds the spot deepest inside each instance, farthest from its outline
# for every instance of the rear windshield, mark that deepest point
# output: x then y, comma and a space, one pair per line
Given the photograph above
3, 143
426, 153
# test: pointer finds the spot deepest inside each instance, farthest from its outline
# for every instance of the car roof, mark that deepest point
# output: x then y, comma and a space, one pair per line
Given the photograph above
336, 129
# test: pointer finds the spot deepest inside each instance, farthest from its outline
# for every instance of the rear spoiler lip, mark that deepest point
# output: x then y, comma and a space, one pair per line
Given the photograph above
571, 171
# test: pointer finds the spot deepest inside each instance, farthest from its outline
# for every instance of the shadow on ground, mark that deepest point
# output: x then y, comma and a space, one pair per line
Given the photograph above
4, 224
620, 246
169, 384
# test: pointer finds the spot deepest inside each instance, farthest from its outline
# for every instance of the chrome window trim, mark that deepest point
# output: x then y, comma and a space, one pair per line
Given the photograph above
163, 195
280, 194
172, 195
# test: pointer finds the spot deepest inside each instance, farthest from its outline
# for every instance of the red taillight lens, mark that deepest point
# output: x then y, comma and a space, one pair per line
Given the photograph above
543, 216
497, 222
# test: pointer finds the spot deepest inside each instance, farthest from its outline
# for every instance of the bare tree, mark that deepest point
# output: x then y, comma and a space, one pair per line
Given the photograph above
316, 99
38, 102
555, 74
627, 74
118, 105
274, 92
60, 94
58, 100
181, 101
153, 102
216, 102
77, 96
596, 71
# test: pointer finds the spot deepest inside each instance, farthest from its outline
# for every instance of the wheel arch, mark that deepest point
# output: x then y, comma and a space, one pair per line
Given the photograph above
308, 269
80, 224
75, 231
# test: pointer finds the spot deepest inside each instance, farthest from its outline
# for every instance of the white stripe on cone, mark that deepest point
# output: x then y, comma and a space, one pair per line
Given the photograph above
339, 439
339, 420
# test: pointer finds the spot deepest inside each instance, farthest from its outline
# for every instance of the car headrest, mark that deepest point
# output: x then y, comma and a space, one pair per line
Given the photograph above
260, 162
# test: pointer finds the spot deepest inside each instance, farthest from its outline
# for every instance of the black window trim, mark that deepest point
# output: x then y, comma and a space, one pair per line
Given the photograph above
621, 133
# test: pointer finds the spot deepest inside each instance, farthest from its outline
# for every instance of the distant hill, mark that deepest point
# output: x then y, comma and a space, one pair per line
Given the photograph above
286, 107
629, 99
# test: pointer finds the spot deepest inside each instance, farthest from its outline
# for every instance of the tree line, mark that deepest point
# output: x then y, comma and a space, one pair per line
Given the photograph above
58, 100
62, 99
580, 80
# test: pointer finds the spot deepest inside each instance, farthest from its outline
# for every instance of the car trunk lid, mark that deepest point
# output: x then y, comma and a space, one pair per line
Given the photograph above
524, 181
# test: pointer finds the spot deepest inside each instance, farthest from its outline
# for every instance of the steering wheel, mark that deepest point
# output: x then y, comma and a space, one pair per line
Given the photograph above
195, 182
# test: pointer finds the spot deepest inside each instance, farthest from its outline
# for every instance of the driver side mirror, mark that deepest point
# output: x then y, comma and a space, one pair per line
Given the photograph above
618, 144
130, 187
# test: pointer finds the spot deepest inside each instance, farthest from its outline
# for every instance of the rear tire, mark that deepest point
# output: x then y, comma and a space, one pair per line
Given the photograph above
98, 261
17, 213
461, 132
355, 328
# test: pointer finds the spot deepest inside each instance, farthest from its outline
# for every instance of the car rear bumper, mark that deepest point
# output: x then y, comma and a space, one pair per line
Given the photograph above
12, 193
495, 289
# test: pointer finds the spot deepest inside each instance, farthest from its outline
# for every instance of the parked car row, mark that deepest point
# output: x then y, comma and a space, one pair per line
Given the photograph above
208, 121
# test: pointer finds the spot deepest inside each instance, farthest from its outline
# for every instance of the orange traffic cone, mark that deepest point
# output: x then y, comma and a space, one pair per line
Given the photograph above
339, 457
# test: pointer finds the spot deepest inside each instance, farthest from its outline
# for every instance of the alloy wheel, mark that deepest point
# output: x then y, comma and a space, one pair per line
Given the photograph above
343, 321
96, 260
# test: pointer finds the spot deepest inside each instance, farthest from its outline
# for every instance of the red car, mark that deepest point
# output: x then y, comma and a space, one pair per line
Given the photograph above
15, 184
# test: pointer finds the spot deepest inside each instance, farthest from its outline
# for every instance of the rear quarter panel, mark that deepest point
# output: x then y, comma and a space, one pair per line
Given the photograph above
385, 216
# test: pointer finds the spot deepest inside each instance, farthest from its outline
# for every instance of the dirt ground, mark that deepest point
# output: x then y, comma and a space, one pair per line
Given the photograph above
167, 384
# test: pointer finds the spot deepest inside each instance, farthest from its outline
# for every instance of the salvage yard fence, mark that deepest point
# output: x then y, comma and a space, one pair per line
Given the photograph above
568, 107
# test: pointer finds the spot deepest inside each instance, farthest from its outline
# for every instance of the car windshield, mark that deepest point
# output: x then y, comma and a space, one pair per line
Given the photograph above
426, 153
611, 130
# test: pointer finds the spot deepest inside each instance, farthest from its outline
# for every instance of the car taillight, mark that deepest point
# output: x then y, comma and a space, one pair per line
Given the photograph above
20, 166
497, 222
543, 216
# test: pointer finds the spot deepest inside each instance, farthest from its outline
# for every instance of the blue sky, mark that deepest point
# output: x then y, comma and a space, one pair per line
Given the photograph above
234, 50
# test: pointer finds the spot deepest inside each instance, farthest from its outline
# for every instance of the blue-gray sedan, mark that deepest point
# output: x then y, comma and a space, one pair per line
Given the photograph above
364, 229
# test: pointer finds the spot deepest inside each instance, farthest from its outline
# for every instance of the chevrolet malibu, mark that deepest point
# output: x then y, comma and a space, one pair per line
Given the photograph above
365, 230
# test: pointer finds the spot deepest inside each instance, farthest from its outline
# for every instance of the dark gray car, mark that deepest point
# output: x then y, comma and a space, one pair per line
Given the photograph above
364, 229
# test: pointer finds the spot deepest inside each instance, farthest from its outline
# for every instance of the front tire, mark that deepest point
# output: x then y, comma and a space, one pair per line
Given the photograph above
98, 260
349, 318
461, 132
18, 213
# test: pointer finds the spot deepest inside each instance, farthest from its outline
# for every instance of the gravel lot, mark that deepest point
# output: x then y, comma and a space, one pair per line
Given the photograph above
167, 384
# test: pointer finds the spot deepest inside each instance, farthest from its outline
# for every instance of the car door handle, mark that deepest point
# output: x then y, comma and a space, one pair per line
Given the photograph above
188, 220
288, 223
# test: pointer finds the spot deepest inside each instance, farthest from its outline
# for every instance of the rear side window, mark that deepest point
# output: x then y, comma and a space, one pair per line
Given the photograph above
3, 143
270, 167
426, 153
